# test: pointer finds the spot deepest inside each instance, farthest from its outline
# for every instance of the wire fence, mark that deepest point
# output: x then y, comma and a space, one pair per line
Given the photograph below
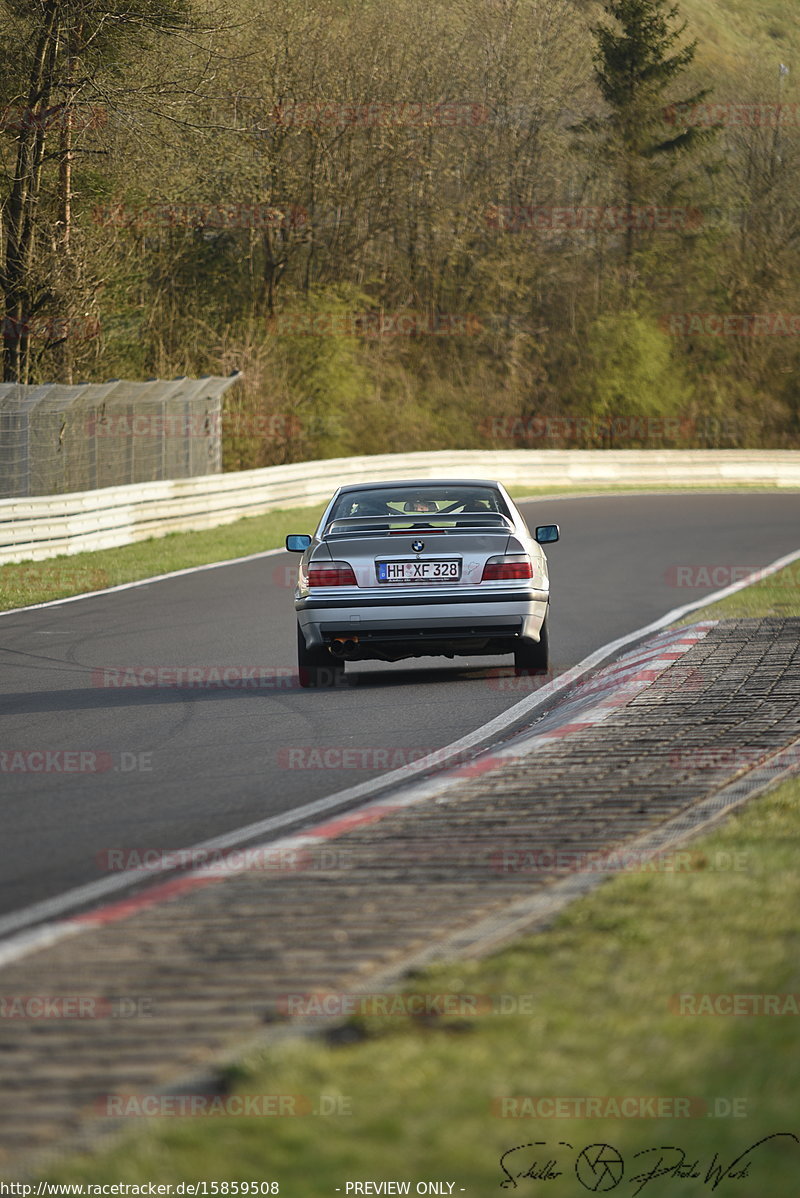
55, 439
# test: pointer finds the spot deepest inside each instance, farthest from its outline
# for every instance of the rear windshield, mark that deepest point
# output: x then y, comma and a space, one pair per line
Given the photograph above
419, 501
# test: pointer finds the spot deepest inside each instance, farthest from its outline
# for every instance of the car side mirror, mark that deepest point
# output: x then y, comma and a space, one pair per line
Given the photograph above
298, 542
546, 534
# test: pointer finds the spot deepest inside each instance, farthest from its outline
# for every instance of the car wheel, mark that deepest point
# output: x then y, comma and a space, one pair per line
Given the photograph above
533, 657
317, 667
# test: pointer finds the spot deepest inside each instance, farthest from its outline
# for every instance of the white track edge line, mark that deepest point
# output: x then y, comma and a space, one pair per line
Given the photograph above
138, 582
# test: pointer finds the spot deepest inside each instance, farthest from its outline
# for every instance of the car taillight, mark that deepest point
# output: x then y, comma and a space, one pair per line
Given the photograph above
332, 574
507, 566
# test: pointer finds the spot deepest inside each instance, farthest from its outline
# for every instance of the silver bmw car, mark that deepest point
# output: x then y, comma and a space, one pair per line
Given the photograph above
416, 569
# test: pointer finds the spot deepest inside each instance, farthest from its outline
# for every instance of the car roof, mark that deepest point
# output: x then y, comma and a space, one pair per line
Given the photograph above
421, 482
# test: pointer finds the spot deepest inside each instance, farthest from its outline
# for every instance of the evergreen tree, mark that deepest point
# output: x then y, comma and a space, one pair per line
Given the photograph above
636, 62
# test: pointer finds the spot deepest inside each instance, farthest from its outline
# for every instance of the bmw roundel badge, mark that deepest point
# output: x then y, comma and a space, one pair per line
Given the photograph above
418, 546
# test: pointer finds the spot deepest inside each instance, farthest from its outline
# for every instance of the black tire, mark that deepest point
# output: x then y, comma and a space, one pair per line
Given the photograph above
533, 657
317, 667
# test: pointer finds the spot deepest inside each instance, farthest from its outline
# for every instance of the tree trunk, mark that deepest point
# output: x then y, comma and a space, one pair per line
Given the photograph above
22, 202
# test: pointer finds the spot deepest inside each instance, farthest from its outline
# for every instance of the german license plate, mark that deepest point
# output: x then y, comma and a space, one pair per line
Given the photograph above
425, 571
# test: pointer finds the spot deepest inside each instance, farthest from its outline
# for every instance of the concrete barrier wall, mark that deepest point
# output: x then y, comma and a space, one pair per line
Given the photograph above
46, 526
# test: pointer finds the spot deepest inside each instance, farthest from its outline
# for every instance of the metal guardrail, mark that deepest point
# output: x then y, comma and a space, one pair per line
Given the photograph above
46, 526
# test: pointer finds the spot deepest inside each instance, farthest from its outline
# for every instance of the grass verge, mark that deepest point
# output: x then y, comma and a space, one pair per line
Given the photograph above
59, 577
776, 595
591, 1014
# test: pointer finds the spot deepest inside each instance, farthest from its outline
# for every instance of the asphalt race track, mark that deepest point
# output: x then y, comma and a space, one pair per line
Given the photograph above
178, 765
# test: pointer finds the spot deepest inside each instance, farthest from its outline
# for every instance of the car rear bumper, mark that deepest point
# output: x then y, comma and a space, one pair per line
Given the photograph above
457, 622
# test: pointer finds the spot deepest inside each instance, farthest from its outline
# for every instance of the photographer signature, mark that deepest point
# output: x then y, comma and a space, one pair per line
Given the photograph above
601, 1167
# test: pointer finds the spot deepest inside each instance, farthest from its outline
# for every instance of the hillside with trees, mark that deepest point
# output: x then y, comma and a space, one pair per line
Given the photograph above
457, 223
